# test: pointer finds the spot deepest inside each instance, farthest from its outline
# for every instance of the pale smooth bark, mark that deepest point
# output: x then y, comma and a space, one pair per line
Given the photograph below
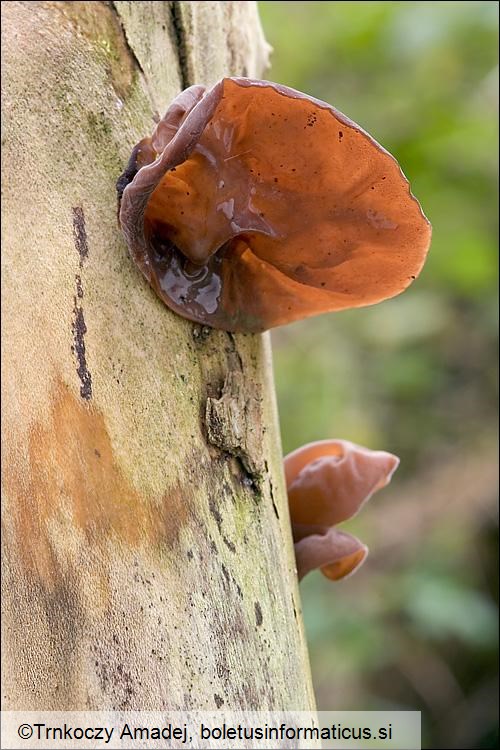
148, 561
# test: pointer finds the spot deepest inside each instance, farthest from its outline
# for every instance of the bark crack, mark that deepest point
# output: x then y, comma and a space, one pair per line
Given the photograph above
131, 51
179, 30
233, 427
78, 326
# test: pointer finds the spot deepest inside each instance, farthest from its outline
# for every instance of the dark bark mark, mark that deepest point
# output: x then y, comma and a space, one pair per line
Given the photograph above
80, 234
180, 41
228, 543
234, 357
272, 499
201, 333
258, 614
79, 327
228, 579
215, 513
79, 287
114, 679
225, 574
223, 672
271, 490
218, 520
249, 479
218, 700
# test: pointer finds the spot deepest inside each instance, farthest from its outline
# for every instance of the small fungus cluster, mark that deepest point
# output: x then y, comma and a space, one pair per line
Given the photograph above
253, 205
328, 482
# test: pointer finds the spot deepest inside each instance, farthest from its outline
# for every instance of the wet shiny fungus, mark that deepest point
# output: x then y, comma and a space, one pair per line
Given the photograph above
242, 184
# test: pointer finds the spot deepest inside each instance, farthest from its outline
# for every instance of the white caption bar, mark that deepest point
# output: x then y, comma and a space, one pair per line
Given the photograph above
224, 730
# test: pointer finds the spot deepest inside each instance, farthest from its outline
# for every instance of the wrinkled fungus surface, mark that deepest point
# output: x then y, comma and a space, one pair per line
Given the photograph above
327, 483
253, 205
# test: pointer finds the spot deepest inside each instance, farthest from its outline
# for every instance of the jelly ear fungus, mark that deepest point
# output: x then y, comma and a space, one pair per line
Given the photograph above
328, 482
253, 205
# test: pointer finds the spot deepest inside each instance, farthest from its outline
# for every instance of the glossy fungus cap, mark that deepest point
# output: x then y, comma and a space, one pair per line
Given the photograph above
253, 205
337, 554
327, 483
330, 480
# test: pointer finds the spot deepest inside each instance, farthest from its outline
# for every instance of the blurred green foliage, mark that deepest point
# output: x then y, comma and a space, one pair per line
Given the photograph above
416, 375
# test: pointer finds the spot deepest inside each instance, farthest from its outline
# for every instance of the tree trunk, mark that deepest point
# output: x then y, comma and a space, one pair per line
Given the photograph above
148, 560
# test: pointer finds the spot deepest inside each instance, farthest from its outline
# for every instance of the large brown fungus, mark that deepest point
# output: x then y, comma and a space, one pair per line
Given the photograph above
253, 205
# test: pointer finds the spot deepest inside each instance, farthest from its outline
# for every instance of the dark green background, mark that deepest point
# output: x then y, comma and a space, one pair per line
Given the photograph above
416, 628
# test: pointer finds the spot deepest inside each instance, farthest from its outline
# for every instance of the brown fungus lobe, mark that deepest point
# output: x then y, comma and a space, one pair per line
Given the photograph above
328, 482
247, 209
